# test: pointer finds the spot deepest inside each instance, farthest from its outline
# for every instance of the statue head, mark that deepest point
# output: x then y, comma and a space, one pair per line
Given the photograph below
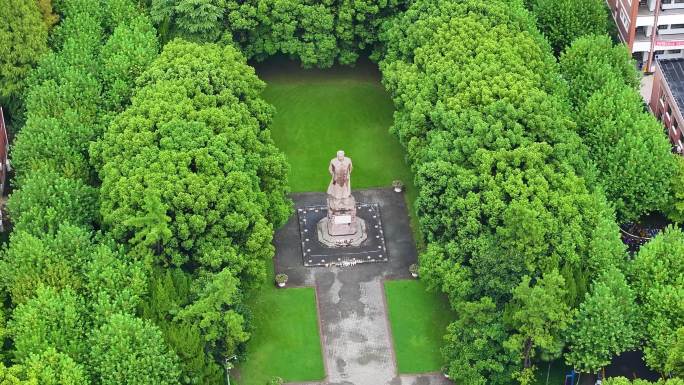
340, 155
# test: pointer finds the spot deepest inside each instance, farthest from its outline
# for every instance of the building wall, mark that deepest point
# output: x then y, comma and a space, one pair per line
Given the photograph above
621, 10
664, 107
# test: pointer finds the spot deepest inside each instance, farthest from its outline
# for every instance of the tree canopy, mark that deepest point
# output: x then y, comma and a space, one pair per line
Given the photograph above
508, 200
316, 33
564, 21
632, 156
23, 42
148, 186
197, 113
191, 179
657, 274
605, 325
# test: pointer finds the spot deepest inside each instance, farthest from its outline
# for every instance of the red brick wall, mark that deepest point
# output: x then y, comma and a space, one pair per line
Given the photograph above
615, 7
668, 104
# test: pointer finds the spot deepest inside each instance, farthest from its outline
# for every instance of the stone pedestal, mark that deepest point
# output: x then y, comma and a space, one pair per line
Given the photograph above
342, 235
341, 227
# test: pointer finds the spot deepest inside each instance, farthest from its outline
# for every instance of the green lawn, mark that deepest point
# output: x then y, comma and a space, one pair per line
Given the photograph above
418, 319
285, 341
322, 111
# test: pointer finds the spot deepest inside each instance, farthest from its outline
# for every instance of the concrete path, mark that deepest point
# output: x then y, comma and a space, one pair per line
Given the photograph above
356, 339
646, 87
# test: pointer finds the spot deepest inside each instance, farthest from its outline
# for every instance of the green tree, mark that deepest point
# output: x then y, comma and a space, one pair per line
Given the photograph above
675, 208
506, 187
591, 62
126, 54
474, 345
114, 282
128, 350
152, 229
539, 317
12, 376
516, 203
47, 200
51, 319
23, 41
657, 276
605, 325
223, 328
52, 260
199, 115
53, 368
169, 291
316, 33
675, 358
564, 21
632, 155
193, 18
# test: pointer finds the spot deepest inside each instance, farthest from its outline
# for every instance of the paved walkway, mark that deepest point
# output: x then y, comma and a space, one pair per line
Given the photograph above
355, 334
646, 87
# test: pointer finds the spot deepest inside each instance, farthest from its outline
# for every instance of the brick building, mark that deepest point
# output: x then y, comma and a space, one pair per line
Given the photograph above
635, 20
667, 99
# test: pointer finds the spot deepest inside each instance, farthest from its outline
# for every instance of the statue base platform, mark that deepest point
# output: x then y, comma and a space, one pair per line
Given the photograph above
363, 242
338, 232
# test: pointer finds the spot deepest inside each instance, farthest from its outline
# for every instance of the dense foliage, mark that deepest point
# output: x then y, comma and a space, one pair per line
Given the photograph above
317, 33
65, 282
563, 21
626, 143
49, 200
23, 41
507, 199
191, 177
197, 112
148, 186
658, 280
606, 324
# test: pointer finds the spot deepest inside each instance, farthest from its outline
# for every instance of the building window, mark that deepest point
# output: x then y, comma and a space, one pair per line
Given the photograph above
674, 51
659, 52
679, 1
624, 18
662, 27
677, 26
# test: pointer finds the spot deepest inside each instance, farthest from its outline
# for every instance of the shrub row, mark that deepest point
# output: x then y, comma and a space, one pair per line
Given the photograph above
317, 33
73, 292
516, 229
626, 143
191, 179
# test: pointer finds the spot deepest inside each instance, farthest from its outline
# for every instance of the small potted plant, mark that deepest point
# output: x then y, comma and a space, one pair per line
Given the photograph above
281, 279
413, 269
398, 185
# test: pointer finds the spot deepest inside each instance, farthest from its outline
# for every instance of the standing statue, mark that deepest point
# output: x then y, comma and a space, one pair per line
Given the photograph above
340, 169
341, 227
